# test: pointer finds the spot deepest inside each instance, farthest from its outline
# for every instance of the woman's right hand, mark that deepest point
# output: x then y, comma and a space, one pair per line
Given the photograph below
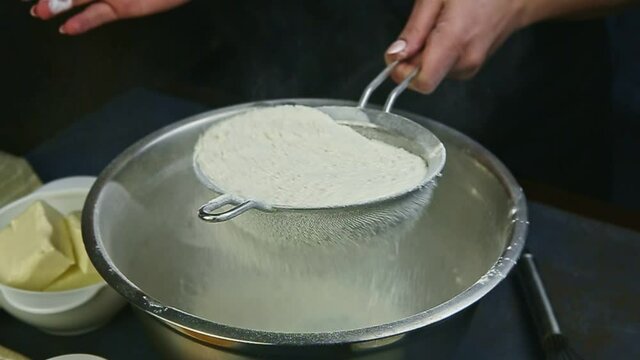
452, 38
99, 12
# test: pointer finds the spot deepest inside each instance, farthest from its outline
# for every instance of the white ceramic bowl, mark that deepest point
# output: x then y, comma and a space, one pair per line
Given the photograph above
68, 312
77, 357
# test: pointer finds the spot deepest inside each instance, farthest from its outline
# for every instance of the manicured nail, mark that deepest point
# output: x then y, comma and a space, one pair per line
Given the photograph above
396, 47
32, 11
61, 30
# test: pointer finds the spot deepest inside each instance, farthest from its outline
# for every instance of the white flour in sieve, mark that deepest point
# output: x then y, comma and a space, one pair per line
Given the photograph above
299, 156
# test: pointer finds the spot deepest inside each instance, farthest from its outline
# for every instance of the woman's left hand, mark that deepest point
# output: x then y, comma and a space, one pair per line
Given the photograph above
99, 12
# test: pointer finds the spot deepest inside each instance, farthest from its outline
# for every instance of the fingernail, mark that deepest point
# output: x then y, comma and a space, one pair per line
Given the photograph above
32, 11
396, 47
61, 30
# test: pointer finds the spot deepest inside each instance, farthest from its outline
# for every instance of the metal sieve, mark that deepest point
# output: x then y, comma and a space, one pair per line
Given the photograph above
353, 221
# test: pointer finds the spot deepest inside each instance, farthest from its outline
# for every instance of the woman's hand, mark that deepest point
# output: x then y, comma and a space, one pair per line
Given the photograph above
455, 37
99, 12
452, 37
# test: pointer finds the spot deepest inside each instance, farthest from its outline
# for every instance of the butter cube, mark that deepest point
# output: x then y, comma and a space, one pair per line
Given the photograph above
7, 354
74, 278
83, 273
35, 249
81, 257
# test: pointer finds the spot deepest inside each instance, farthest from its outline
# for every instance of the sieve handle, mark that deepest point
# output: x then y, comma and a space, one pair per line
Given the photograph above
373, 85
207, 212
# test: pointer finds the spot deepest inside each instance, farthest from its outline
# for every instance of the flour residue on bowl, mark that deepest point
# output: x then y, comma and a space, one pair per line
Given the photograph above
298, 156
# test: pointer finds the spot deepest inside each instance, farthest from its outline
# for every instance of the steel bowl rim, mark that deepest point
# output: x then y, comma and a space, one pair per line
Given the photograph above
182, 319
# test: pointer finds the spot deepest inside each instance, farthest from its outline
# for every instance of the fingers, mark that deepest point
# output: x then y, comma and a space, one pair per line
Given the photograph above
468, 64
94, 15
449, 53
440, 54
47, 9
99, 12
451, 49
412, 38
404, 69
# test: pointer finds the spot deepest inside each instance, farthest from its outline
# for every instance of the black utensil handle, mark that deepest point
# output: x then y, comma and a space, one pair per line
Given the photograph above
536, 297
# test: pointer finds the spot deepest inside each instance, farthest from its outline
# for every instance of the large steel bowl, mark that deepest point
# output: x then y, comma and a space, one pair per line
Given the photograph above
213, 291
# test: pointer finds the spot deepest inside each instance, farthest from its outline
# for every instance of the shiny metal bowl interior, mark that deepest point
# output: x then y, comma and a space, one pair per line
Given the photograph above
145, 240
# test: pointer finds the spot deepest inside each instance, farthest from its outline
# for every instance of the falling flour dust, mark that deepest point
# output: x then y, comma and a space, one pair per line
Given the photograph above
300, 157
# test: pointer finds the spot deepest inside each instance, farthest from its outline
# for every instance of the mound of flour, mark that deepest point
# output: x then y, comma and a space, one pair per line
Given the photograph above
299, 156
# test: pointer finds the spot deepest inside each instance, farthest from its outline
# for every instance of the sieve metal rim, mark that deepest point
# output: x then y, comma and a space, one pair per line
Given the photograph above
435, 163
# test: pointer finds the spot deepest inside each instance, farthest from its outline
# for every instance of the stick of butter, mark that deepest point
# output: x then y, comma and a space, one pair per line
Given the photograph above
35, 249
83, 273
74, 278
8, 354
75, 231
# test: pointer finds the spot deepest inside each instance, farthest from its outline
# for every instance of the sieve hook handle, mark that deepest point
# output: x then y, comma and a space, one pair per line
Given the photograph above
207, 212
393, 96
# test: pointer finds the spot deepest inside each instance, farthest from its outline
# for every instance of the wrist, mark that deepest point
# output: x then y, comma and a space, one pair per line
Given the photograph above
533, 11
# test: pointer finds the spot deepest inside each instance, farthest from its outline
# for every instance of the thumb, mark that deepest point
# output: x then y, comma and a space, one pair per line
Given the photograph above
413, 36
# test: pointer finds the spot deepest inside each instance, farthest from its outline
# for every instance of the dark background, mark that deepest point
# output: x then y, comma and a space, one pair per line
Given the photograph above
558, 103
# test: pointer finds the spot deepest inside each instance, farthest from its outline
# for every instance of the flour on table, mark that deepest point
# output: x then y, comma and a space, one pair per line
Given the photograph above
299, 156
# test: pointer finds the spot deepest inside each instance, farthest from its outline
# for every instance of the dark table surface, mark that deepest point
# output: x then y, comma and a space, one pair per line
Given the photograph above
590, 268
